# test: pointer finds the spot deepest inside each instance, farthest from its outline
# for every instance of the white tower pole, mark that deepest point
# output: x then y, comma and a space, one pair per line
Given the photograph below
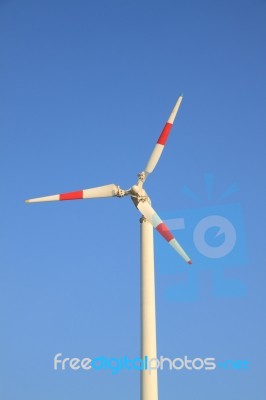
149, 386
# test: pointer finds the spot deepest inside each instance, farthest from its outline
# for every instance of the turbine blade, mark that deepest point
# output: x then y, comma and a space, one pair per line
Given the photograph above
158, 149
101, 191
149, 213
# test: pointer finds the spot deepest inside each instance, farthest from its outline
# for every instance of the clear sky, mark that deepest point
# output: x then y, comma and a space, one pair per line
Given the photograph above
86, 87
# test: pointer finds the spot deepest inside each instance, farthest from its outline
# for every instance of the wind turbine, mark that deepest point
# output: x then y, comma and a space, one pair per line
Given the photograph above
149, 220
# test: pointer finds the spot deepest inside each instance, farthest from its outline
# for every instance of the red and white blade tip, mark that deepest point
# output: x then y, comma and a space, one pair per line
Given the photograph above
149, 213
158, 149
101, 191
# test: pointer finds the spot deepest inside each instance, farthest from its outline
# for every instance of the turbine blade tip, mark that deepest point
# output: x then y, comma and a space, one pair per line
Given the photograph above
189, 262
27, 201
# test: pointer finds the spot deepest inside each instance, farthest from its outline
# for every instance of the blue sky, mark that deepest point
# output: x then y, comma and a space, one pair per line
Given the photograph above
85, 89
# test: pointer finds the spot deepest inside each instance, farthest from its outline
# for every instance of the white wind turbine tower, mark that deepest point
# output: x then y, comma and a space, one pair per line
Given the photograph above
150, 219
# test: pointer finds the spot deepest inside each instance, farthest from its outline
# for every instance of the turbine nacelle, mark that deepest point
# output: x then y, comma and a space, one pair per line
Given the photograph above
138, 194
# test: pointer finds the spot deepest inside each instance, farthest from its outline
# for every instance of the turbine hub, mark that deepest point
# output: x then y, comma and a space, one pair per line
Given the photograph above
138, 190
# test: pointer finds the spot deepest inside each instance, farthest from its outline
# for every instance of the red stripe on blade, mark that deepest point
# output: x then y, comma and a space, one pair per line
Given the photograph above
165, 133
71, 195
164, 231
